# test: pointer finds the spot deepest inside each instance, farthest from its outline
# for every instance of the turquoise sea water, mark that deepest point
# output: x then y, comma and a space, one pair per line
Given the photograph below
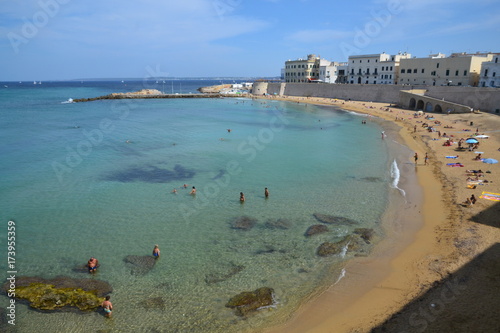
96, 179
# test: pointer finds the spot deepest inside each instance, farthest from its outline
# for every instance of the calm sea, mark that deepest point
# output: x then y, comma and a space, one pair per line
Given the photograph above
96, 179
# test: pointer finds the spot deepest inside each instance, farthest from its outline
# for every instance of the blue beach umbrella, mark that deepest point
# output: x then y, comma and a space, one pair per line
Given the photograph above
471, 140
490, 161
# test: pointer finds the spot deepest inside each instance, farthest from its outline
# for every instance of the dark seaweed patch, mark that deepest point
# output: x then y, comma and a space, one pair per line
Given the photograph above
151, 174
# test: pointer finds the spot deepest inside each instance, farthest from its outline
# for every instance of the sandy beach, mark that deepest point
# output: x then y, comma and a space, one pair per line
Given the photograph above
442, 275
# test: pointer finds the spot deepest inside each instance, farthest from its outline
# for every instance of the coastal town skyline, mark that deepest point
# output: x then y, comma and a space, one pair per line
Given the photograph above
62, 40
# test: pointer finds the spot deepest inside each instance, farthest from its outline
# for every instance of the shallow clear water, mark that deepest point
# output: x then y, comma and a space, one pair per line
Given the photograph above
76, 188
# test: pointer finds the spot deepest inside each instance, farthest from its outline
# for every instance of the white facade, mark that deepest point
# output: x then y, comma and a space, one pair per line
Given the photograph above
375, 68
490, 73
329, 71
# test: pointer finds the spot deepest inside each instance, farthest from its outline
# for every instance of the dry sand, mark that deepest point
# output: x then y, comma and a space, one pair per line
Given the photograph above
443, 276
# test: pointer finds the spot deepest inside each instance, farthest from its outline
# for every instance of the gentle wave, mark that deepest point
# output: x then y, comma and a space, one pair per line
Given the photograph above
341, 276
395, 175
70, 100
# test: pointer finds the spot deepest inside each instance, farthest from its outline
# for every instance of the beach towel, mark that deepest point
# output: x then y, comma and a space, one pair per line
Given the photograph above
451, 156
490, 196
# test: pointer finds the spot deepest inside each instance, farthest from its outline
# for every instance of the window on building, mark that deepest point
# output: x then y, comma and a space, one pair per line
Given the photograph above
352, 71
459, 84
414, 70
456, 73
368, 71
402, 71
496, 60
359, 61
433, 73
485, 72
465, 73
376, 60
423, 70
437, 66
447, 72
494, 74
390, 76
391, 68
368, 60
374, 82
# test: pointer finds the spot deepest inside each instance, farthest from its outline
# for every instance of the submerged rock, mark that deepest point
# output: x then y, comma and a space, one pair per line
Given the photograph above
371, 179
243, 223
365, 233
61, 292
223, 276
278, 224
316, 229
329, 249
153, 303
248, 301
140, 265
331, 219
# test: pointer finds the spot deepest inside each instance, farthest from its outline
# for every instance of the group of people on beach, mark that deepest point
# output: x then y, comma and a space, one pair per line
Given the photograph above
93, 264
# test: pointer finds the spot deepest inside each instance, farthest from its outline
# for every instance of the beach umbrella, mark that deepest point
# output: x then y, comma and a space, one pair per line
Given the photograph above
482, 136
490, 161
471, 140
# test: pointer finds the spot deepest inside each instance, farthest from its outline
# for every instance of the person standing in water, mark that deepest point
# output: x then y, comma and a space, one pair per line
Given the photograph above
266, 193
156, 252
107, 306
193, 191
92, 265
242, 197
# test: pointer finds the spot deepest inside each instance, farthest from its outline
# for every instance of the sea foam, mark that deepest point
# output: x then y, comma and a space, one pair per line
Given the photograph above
395, 175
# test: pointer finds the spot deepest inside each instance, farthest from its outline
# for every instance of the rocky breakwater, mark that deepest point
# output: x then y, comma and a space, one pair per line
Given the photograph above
144, 94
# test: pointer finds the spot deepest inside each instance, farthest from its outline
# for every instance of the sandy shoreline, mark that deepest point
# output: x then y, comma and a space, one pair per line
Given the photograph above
403, 271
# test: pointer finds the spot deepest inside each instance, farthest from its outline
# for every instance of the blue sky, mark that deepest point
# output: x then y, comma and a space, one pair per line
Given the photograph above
69, 39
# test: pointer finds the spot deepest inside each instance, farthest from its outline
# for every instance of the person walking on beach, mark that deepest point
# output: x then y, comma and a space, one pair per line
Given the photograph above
266, 193
426, 159
416, 158
156, 252
242, 197
107, 306
92, 265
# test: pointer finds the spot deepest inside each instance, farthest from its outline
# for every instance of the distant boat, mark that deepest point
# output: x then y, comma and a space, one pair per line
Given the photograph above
123, 81
40, 82
34, 82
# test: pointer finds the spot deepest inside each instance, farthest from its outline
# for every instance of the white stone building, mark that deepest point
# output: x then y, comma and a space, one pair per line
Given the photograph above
490, 73
375, 68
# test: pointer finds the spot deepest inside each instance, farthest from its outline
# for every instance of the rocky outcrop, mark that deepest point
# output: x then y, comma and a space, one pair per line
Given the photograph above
249, 301
143, 92
61, 292
331, 219
329, 249
214, 89
140, 265
316, 229
243, 223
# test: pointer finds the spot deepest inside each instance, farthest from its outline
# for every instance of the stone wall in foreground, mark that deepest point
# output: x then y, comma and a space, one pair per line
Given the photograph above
484, 99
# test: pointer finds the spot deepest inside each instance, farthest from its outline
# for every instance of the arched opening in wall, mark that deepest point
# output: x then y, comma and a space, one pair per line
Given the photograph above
428, 107
438, 108
420, 105
412, 104
359, 80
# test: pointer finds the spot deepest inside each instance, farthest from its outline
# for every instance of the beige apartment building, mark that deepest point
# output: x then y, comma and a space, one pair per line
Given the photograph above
459, 69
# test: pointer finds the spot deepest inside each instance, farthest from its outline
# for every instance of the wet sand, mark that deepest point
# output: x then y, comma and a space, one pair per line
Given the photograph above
391, 290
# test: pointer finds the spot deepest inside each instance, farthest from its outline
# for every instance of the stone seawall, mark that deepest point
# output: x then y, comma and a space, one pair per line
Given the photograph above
484, 99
